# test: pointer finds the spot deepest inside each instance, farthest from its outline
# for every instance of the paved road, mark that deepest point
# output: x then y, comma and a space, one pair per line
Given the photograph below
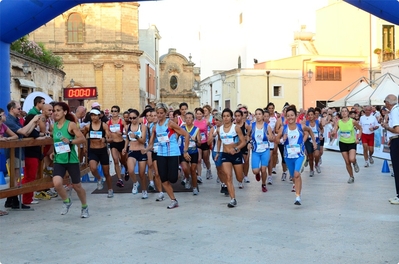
337, 223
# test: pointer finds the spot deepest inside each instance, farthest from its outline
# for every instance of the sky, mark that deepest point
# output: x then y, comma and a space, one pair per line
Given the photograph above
210, 31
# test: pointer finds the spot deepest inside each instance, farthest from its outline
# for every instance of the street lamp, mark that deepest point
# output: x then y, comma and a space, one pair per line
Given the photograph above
72, 83
25, 68
309, 75
267, 92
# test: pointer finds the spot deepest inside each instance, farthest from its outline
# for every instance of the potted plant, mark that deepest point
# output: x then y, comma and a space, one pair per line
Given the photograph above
377, 51
387, 50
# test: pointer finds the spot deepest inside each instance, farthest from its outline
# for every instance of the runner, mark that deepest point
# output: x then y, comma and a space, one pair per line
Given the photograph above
348, 141
279, 129
313, 155
243, 125
294, 135
168, 150
203, 150
230, 137
135, 140
67, 137
98, 133
147, 113
190, 166
273, 151
369, 124
260, 134
116, 128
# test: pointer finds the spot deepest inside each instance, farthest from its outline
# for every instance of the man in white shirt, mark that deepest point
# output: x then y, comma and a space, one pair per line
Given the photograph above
392, 128
369, 123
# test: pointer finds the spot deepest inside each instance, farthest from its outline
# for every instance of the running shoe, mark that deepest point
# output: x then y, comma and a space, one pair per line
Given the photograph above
298, 200
371, 160
100, 184
351, 180
135, 189
195, 191
284, 176
274, 171
110, 194
232, 203
269, 180
306, 163
356, 167
187, 185
240, 185
318, 169
221, 188
42, 196
84, 213
144, 195
183, 182
394, 200
52, 193
119, 183
257, 176
151, 186
199, 179
311, 173
127, 176
209, 175
264, 189
65, 207
320, 161
246, 179
366, 164
173, 204
161, 197
218, 180
291, 179
293, 188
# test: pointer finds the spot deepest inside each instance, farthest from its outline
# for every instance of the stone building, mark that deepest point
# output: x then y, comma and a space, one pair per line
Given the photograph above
99, 45
179, 80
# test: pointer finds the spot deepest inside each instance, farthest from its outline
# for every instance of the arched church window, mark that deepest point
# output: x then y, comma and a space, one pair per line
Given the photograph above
173, 82
75, 28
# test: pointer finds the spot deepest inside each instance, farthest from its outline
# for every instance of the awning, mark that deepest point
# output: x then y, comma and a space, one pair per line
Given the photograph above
26, 83
386, 9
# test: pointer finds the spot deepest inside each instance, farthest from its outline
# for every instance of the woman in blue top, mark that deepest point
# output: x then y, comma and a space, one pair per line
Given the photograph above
190, 166
294, 136
260, 134
313, 154
168, 150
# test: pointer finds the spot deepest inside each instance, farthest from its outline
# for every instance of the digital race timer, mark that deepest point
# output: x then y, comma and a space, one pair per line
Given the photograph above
80, 93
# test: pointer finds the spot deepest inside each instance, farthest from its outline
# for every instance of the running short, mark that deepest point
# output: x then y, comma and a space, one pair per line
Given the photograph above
99, 155
154, 156
322, 142
168, 168
309, 147
117, 145
218, 162
137, 155
244, 150
260, 159
294, 164
345, 147
235, 159
194, 158
368, 139
281, 149
72, 168
204, 146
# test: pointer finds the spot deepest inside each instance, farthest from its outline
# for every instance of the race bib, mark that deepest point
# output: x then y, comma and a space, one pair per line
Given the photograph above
96, 134
163, 138
156, 146
191, 144
227, 140
262, 146
115, 128
345, 134
61, 147
132, 136
203, 136
293, 149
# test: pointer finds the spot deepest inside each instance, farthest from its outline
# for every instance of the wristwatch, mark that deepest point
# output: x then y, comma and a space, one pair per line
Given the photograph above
70, 141
236, 149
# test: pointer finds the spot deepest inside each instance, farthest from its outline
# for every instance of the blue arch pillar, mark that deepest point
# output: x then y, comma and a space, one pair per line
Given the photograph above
4, 74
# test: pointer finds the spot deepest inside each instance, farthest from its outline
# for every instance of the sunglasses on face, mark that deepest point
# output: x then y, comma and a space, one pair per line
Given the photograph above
114, 111
133, 118
245, 112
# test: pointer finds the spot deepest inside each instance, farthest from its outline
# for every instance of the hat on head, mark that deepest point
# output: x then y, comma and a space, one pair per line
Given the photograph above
106, 111
95, 111
95, 104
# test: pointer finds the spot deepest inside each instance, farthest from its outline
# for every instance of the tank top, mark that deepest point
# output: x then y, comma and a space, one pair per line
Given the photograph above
294, 145
192, 146
203, 127
215, 140
167, 140
316, 131
230, 137
346, 131
156, 144
131, 134
260, 141
96, 134
64, 153
115, 127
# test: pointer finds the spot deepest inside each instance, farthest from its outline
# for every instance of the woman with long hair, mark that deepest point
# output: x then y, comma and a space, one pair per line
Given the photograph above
348, 140
67, 137
313, 155
240, 120
135, 140
294, 136
204, 150
260, 134
232, 140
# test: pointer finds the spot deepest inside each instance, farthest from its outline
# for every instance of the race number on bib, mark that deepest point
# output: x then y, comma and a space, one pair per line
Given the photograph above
61, 147
262, 146
293, 149
163, 138
346, 134
115, 128
203, 137
96, 134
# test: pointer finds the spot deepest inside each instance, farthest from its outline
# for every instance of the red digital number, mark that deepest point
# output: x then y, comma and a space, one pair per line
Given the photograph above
80, 93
